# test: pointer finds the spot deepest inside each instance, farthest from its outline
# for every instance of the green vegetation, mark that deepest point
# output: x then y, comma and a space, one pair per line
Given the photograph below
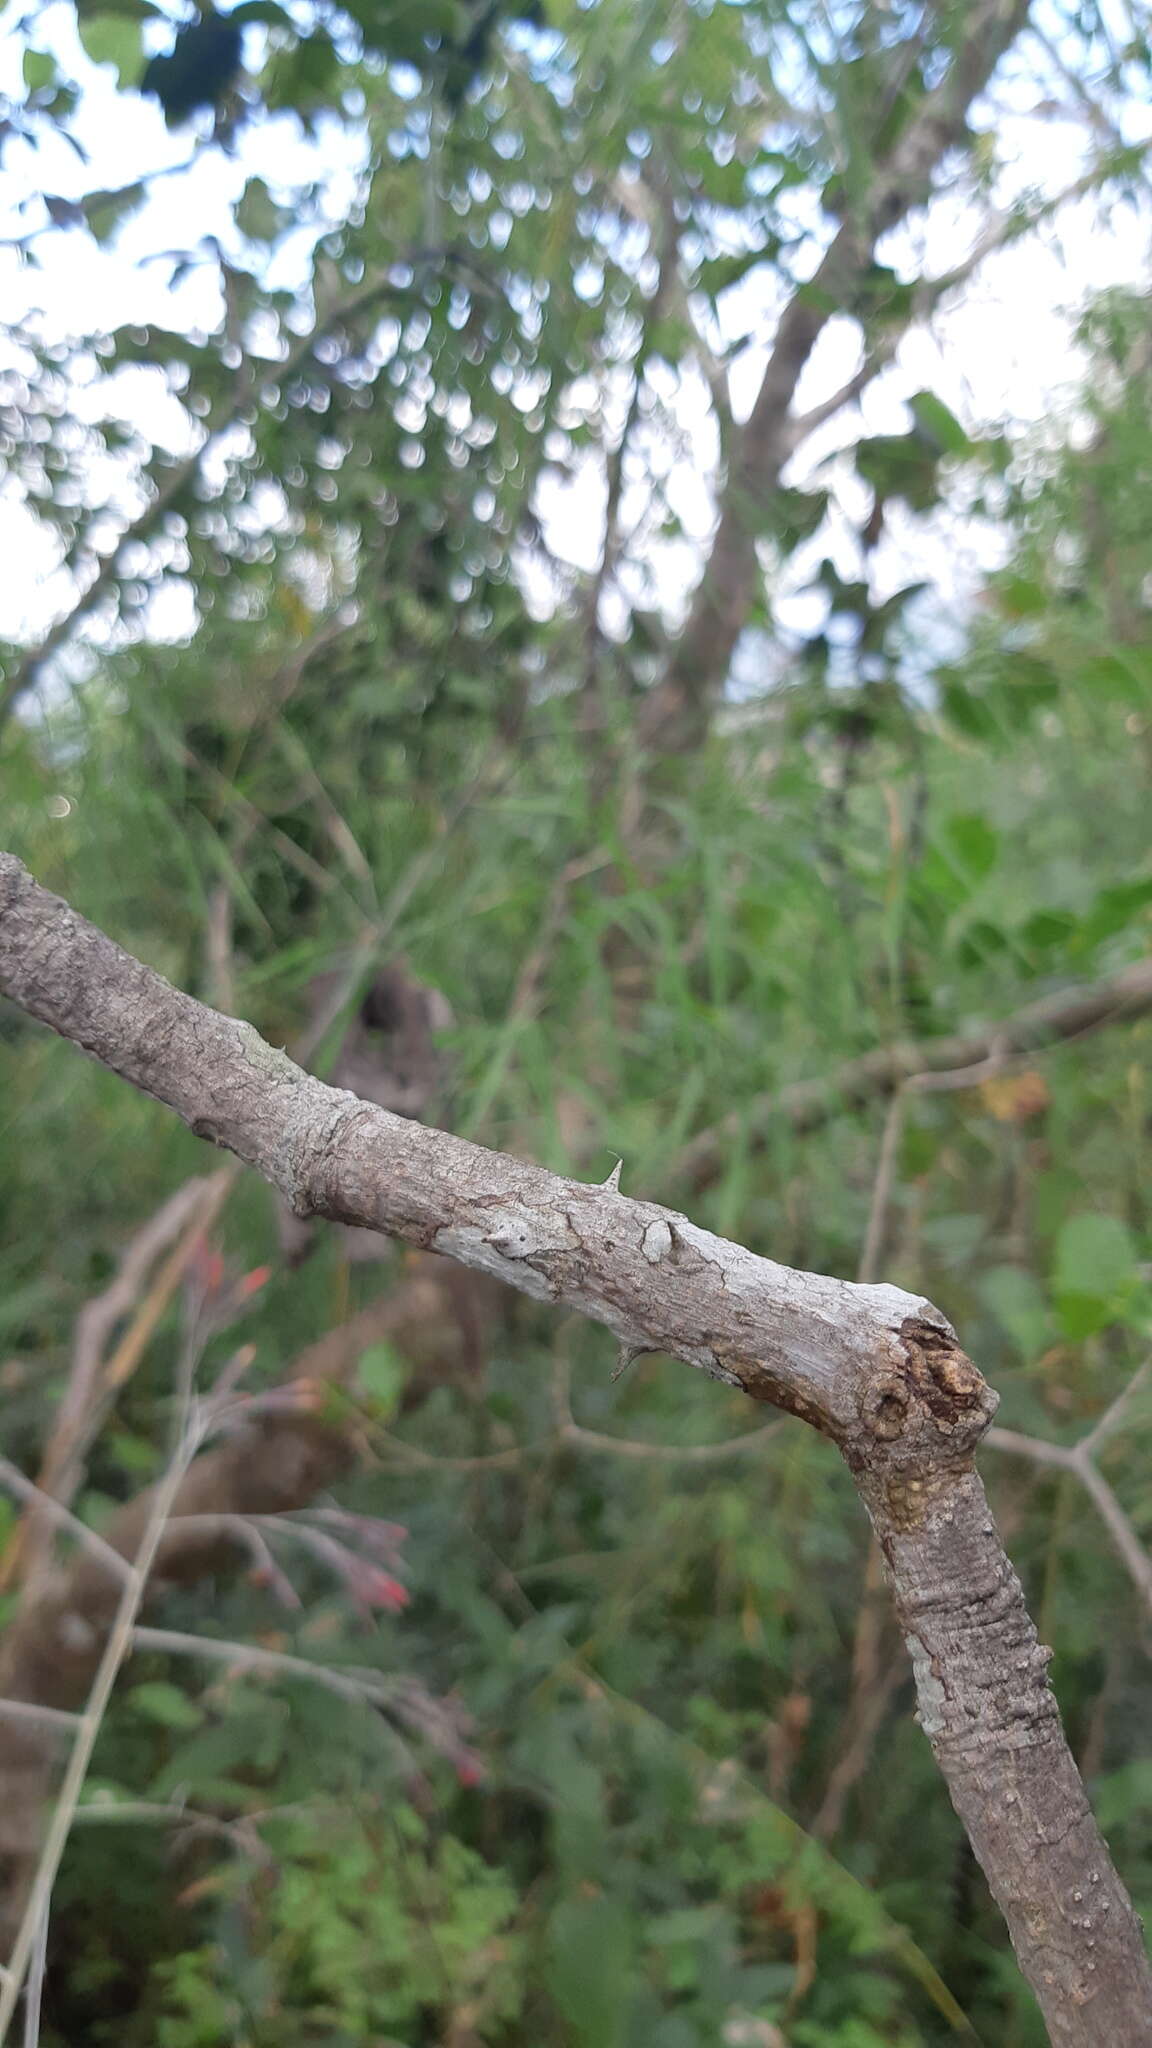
651, 1777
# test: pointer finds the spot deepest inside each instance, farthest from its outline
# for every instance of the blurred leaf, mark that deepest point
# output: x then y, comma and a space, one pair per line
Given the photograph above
1095, 1273
39, 69
1016, 1299
974, 843
112, 38
590, 1968
1015, 1098
941, 427
257, 215
382, 1373
1095, 1255
105, 210
165, 1704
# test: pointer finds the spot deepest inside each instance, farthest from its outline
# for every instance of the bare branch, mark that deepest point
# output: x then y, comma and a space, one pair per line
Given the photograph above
656, 1280
26, 1490
28, 1935
930, 1063
1079, 1460
676, 711
877, 1370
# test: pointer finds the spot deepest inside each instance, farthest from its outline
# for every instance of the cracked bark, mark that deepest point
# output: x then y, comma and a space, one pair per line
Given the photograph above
878, 1371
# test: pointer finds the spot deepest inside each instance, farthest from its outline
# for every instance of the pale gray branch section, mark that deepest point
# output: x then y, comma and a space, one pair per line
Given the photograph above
824, 1349
878, 1370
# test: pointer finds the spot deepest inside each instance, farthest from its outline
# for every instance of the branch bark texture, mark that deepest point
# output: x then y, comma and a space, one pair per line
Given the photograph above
877, 1370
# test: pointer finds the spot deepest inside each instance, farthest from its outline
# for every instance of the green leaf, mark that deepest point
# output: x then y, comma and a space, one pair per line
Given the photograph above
589, 1969
939, 425
381, 1373
1095, 1273
268, 12
1115, 910
166, 1704
1048, 928
39, 69
900, 466
110, 39
258, 216
969, 712
973, 843
1017, 1302
134, 1452
1095, 1255
105, 210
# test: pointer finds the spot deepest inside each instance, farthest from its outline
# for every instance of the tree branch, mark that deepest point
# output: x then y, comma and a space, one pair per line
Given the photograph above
1080, 1460
805, 1105
676, 711
877, 1370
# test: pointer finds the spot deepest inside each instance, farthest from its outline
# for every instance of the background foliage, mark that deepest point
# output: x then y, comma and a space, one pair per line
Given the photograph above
400, 719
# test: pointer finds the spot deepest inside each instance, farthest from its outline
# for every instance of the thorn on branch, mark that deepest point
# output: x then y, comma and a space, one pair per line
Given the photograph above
628, 1353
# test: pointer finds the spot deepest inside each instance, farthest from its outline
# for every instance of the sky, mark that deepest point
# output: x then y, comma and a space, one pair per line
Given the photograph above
1003, 353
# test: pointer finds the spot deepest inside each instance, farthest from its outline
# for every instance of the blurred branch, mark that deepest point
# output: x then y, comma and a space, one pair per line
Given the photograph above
1079, 1459
354, 1684
29, 1933
13, 1481
877, 1370
1053, 1020
999, 233
666, 233
96, 1377
275, 1459
675, 713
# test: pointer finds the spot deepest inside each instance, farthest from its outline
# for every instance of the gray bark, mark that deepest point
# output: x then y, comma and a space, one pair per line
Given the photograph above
878, 1371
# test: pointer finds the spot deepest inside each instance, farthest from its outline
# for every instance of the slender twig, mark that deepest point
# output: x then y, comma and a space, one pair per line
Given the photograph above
243, 1528
76, 1770
352, 1684
95, 1324
960, 1060
30, 1710
34, 1988
749, 1445
882, 1187
33, 1496
1079, 1460
237, 1833
1112, 1417
95, 1378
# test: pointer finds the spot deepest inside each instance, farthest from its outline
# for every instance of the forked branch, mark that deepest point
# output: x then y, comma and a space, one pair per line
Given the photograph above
878, 1371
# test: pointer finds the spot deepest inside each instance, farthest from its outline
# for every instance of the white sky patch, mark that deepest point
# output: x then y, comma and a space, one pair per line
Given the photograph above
1002, 353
